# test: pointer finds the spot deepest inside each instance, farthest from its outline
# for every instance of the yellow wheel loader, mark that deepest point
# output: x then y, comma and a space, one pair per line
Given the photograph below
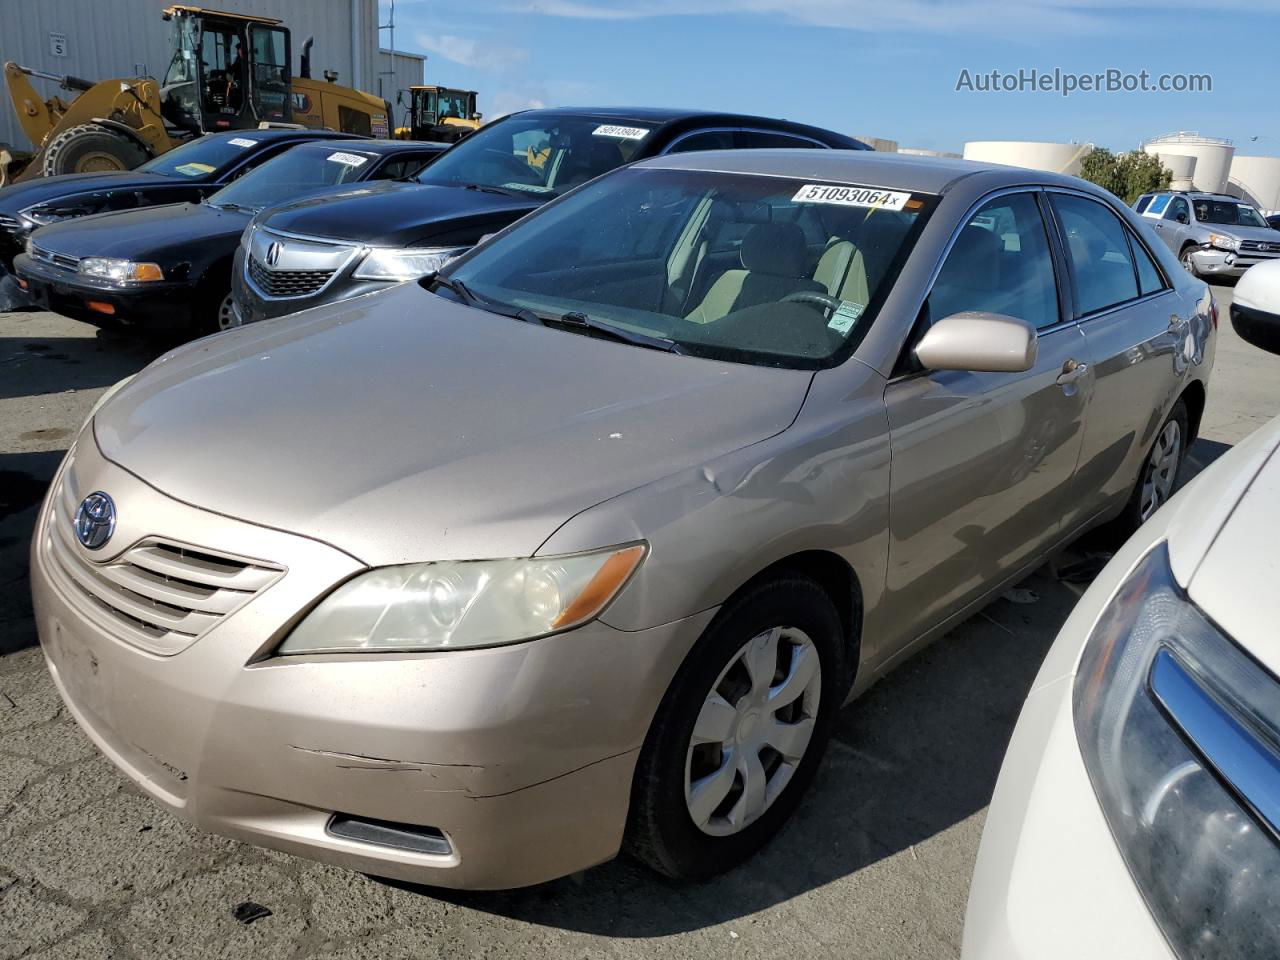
228, 72
441, 114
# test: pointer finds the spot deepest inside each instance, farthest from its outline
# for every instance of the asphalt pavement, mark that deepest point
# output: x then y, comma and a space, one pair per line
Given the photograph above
875, 865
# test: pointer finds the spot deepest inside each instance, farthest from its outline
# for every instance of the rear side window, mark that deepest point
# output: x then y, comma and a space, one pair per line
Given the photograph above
759, 139
1150, 280
1000, 263
1143, 202
705, 140
1157, 205
1098, 248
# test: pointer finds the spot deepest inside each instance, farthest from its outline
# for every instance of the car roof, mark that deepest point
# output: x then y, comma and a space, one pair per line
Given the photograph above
1198, 194
272, 135
898, 171
379, 147
664, 116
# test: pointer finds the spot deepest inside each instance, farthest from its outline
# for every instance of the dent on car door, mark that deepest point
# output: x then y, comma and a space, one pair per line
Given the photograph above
983, 462
1134, 323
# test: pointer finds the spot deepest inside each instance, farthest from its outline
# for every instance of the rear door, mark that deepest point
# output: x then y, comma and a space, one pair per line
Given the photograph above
983, 463
1133, 321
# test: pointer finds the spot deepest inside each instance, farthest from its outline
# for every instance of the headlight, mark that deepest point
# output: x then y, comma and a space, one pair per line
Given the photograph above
107, 394
1180, 733
122, 271
383, 263
477, 603
1223, 243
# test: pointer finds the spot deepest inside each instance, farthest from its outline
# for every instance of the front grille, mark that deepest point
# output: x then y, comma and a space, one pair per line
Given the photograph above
1265, 248
41, 255
158, 595
9, 224
287, 283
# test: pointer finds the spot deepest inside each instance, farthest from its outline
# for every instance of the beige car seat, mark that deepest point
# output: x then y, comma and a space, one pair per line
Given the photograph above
773, 259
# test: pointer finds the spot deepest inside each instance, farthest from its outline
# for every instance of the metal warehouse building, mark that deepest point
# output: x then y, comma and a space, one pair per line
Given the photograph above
100, 39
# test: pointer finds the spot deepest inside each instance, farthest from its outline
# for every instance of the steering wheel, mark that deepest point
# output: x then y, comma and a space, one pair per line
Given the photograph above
825, 301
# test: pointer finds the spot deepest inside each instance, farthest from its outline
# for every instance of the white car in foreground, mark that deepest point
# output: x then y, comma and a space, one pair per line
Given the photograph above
1137, 814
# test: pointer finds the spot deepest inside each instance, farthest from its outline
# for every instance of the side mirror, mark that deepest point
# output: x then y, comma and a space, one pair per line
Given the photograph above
1255, 306
979, 342
1181, 217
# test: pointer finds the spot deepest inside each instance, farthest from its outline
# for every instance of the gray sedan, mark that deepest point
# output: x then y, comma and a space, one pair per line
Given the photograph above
612, 515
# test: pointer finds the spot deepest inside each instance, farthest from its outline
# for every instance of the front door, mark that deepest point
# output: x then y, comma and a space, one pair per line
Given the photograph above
983, 462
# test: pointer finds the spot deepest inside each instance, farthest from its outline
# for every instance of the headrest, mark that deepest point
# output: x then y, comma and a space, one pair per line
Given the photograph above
775, 248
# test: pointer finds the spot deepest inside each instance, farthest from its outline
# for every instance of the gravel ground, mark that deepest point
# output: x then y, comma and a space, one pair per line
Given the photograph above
876, 864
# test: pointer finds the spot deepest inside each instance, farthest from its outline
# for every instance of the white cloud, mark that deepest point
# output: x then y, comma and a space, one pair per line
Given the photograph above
471, 53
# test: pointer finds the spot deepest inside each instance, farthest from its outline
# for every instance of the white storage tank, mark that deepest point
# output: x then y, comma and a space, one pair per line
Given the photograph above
1031, 154
1212, 155
1257, 179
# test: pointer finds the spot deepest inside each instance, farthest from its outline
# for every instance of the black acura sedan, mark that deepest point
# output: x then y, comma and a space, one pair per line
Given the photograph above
167, 269
190, 172
305, 253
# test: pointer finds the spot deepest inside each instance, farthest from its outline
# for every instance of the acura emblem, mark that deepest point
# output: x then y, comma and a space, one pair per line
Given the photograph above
273, 253
95, 520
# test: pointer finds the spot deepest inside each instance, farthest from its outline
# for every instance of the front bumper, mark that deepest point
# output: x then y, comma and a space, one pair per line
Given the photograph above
520, 756
1214, 262
162, 307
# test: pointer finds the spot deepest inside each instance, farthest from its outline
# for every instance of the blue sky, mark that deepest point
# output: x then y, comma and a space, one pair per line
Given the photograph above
883, 68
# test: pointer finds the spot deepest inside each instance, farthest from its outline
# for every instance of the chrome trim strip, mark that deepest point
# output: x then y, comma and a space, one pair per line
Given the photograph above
1237, 752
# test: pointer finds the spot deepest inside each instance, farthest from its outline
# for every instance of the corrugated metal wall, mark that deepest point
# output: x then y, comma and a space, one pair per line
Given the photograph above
115, 38
409, 72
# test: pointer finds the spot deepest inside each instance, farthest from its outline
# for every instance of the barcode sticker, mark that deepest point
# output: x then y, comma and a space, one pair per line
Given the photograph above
851, 196
350, 159
242, 142
620, 133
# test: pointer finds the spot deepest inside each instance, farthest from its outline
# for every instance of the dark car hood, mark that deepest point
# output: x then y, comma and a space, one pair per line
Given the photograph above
145, 233
402, 427
19, 196
390, 212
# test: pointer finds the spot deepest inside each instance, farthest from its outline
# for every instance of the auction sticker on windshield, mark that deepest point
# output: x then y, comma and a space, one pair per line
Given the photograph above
241, 142
851, 196
620, 133
350, 159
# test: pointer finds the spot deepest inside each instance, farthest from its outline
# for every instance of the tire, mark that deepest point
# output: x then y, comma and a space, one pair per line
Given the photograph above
1187, 263
89, 148
661, 827
1158, 476
226, 317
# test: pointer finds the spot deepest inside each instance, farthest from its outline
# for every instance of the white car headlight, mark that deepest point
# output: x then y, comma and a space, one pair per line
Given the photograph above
409, 263
109, 268
1180, 732
476, 603
1223, 243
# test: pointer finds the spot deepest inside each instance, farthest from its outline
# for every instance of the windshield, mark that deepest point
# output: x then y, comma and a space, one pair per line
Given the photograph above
751, 269
199, 158
1228, 212
295, 173
539, 154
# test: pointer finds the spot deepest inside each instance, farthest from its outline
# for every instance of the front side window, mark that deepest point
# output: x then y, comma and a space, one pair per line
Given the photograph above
1098, 247
751, 269
295, 173
538, 155
1000, 263
1228, 213
1144, 201
1178, 211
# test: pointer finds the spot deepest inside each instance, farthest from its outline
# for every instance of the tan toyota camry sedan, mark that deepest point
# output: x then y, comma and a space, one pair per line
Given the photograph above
578, 546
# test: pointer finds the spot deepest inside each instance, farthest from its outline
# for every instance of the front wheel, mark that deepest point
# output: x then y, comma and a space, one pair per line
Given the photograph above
740, 732
1188, 263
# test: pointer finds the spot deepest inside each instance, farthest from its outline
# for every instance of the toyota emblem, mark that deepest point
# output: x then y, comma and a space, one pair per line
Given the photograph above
1264, 247
95, 520
273, 254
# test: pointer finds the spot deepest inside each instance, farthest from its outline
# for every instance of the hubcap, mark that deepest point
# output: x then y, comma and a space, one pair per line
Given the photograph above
1162, 469
98, 161
226, 315
753, 730
1186, 262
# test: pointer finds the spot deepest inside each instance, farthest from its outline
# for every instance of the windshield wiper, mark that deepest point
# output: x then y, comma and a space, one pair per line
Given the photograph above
472, 299
576, 319
485, 188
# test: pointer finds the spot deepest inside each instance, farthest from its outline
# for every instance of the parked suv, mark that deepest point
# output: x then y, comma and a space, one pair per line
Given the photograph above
1212, 234
303, 254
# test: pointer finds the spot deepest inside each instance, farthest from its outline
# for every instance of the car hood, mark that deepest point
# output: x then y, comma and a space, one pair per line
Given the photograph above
403, 427
390, 212
145, 233
1261, 234
1235, 582
19, 196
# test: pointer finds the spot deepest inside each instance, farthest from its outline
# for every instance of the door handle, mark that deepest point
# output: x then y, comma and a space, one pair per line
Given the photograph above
1072, 371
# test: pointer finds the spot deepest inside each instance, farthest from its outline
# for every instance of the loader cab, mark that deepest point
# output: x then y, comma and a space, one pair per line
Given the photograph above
443, 114
228, 72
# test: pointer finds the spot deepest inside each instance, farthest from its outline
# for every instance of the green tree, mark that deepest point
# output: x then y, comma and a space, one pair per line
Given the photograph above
1127, 175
